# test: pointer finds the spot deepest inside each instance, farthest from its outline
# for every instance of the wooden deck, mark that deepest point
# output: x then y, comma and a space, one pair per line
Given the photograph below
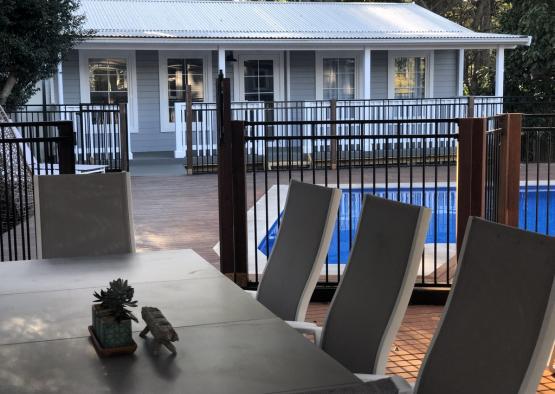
182, 212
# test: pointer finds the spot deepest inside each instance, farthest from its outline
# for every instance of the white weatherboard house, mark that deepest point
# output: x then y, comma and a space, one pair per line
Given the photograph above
144, 52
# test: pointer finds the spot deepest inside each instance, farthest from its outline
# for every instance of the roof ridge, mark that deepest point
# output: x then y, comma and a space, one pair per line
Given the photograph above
273, 2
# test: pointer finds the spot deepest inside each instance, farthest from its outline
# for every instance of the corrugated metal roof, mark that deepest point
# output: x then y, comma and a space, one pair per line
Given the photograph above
272, 20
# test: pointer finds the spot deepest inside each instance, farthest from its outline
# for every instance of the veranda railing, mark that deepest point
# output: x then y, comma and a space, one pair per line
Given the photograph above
196, 123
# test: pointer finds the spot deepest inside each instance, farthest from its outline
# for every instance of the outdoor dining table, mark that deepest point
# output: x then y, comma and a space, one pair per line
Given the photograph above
228, 342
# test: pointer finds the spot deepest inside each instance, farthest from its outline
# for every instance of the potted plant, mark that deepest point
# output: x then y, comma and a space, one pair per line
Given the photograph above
111, 320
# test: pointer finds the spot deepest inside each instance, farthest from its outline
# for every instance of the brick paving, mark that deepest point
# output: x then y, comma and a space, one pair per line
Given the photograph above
412, 341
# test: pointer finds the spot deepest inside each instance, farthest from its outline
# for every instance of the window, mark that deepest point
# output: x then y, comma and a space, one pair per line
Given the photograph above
409, 79
108, 81
259, 80
339, 78
183, 72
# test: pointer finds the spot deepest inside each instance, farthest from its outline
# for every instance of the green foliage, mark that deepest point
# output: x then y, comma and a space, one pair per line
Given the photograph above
530, 71
116, 298
35, 35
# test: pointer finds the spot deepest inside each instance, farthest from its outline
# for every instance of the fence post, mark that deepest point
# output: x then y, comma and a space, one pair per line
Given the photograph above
66, 148
123, 137
509, 169
471, 172
225, 177
189, 128
333, 133
470, 110
239, 203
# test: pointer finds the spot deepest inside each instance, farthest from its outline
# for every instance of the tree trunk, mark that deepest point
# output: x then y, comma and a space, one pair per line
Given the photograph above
7, 88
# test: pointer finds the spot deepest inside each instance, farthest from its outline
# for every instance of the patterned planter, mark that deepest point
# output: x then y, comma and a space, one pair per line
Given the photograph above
109, 332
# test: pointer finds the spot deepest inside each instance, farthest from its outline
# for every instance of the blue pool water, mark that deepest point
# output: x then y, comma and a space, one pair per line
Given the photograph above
442, 222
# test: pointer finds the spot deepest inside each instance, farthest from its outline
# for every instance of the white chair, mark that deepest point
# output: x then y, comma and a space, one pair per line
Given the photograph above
300, 250
374, 292
498, 327
83, 215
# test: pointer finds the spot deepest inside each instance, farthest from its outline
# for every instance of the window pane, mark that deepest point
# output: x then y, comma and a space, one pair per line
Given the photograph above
180, 73
251, 68
99, 98
410, 77
339, 78
117, 98
266, 84
330, 94
266, 97
194, 66
251, 96
108, 81
98, 82
259, 80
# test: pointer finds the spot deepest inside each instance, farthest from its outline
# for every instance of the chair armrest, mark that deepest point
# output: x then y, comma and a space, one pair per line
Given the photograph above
307, 328
252, 293
403, 387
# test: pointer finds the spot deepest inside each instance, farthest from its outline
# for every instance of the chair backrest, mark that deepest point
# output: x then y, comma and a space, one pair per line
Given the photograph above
374, 292
83, 215
300, 249
498, 326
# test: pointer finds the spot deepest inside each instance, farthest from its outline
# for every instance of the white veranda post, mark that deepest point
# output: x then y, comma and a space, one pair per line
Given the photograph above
221, 60
499, 70
367, 65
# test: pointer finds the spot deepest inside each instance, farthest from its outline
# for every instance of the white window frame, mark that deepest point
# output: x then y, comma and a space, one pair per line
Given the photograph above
429, 83
279, 73
165, 125
321, 55
85, 89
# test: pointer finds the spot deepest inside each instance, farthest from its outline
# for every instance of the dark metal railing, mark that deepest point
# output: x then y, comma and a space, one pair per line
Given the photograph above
101, 133
412, 161
493, 152
537, 183
28, 149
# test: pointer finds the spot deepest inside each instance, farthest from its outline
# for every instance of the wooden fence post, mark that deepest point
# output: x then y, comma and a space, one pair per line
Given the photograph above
239, 204
123, 137
225, 180
470, 110
509, 170
66, 146
471, 172
333, 133
189, 128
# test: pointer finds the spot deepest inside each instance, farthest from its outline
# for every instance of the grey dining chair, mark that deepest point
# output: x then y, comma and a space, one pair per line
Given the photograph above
498, 327
83, 215
300, 249
375, 289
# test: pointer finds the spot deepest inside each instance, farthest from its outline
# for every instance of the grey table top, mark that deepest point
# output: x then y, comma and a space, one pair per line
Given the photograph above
228, 341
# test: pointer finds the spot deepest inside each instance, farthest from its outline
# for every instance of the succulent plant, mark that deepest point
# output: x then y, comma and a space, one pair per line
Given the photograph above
116, 298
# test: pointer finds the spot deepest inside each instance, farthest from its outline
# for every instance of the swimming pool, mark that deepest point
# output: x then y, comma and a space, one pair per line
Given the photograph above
442, 222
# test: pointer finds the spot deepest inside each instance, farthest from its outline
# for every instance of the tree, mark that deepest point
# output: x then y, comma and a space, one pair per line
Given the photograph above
35, 35
530, 71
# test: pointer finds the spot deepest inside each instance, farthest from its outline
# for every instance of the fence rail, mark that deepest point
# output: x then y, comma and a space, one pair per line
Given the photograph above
101, 133
28, 149
197, 122
409, 166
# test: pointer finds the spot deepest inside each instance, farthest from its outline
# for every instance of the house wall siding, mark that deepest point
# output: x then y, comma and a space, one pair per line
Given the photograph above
149, 137
378, 74
70, 78
302, 75
445, 73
